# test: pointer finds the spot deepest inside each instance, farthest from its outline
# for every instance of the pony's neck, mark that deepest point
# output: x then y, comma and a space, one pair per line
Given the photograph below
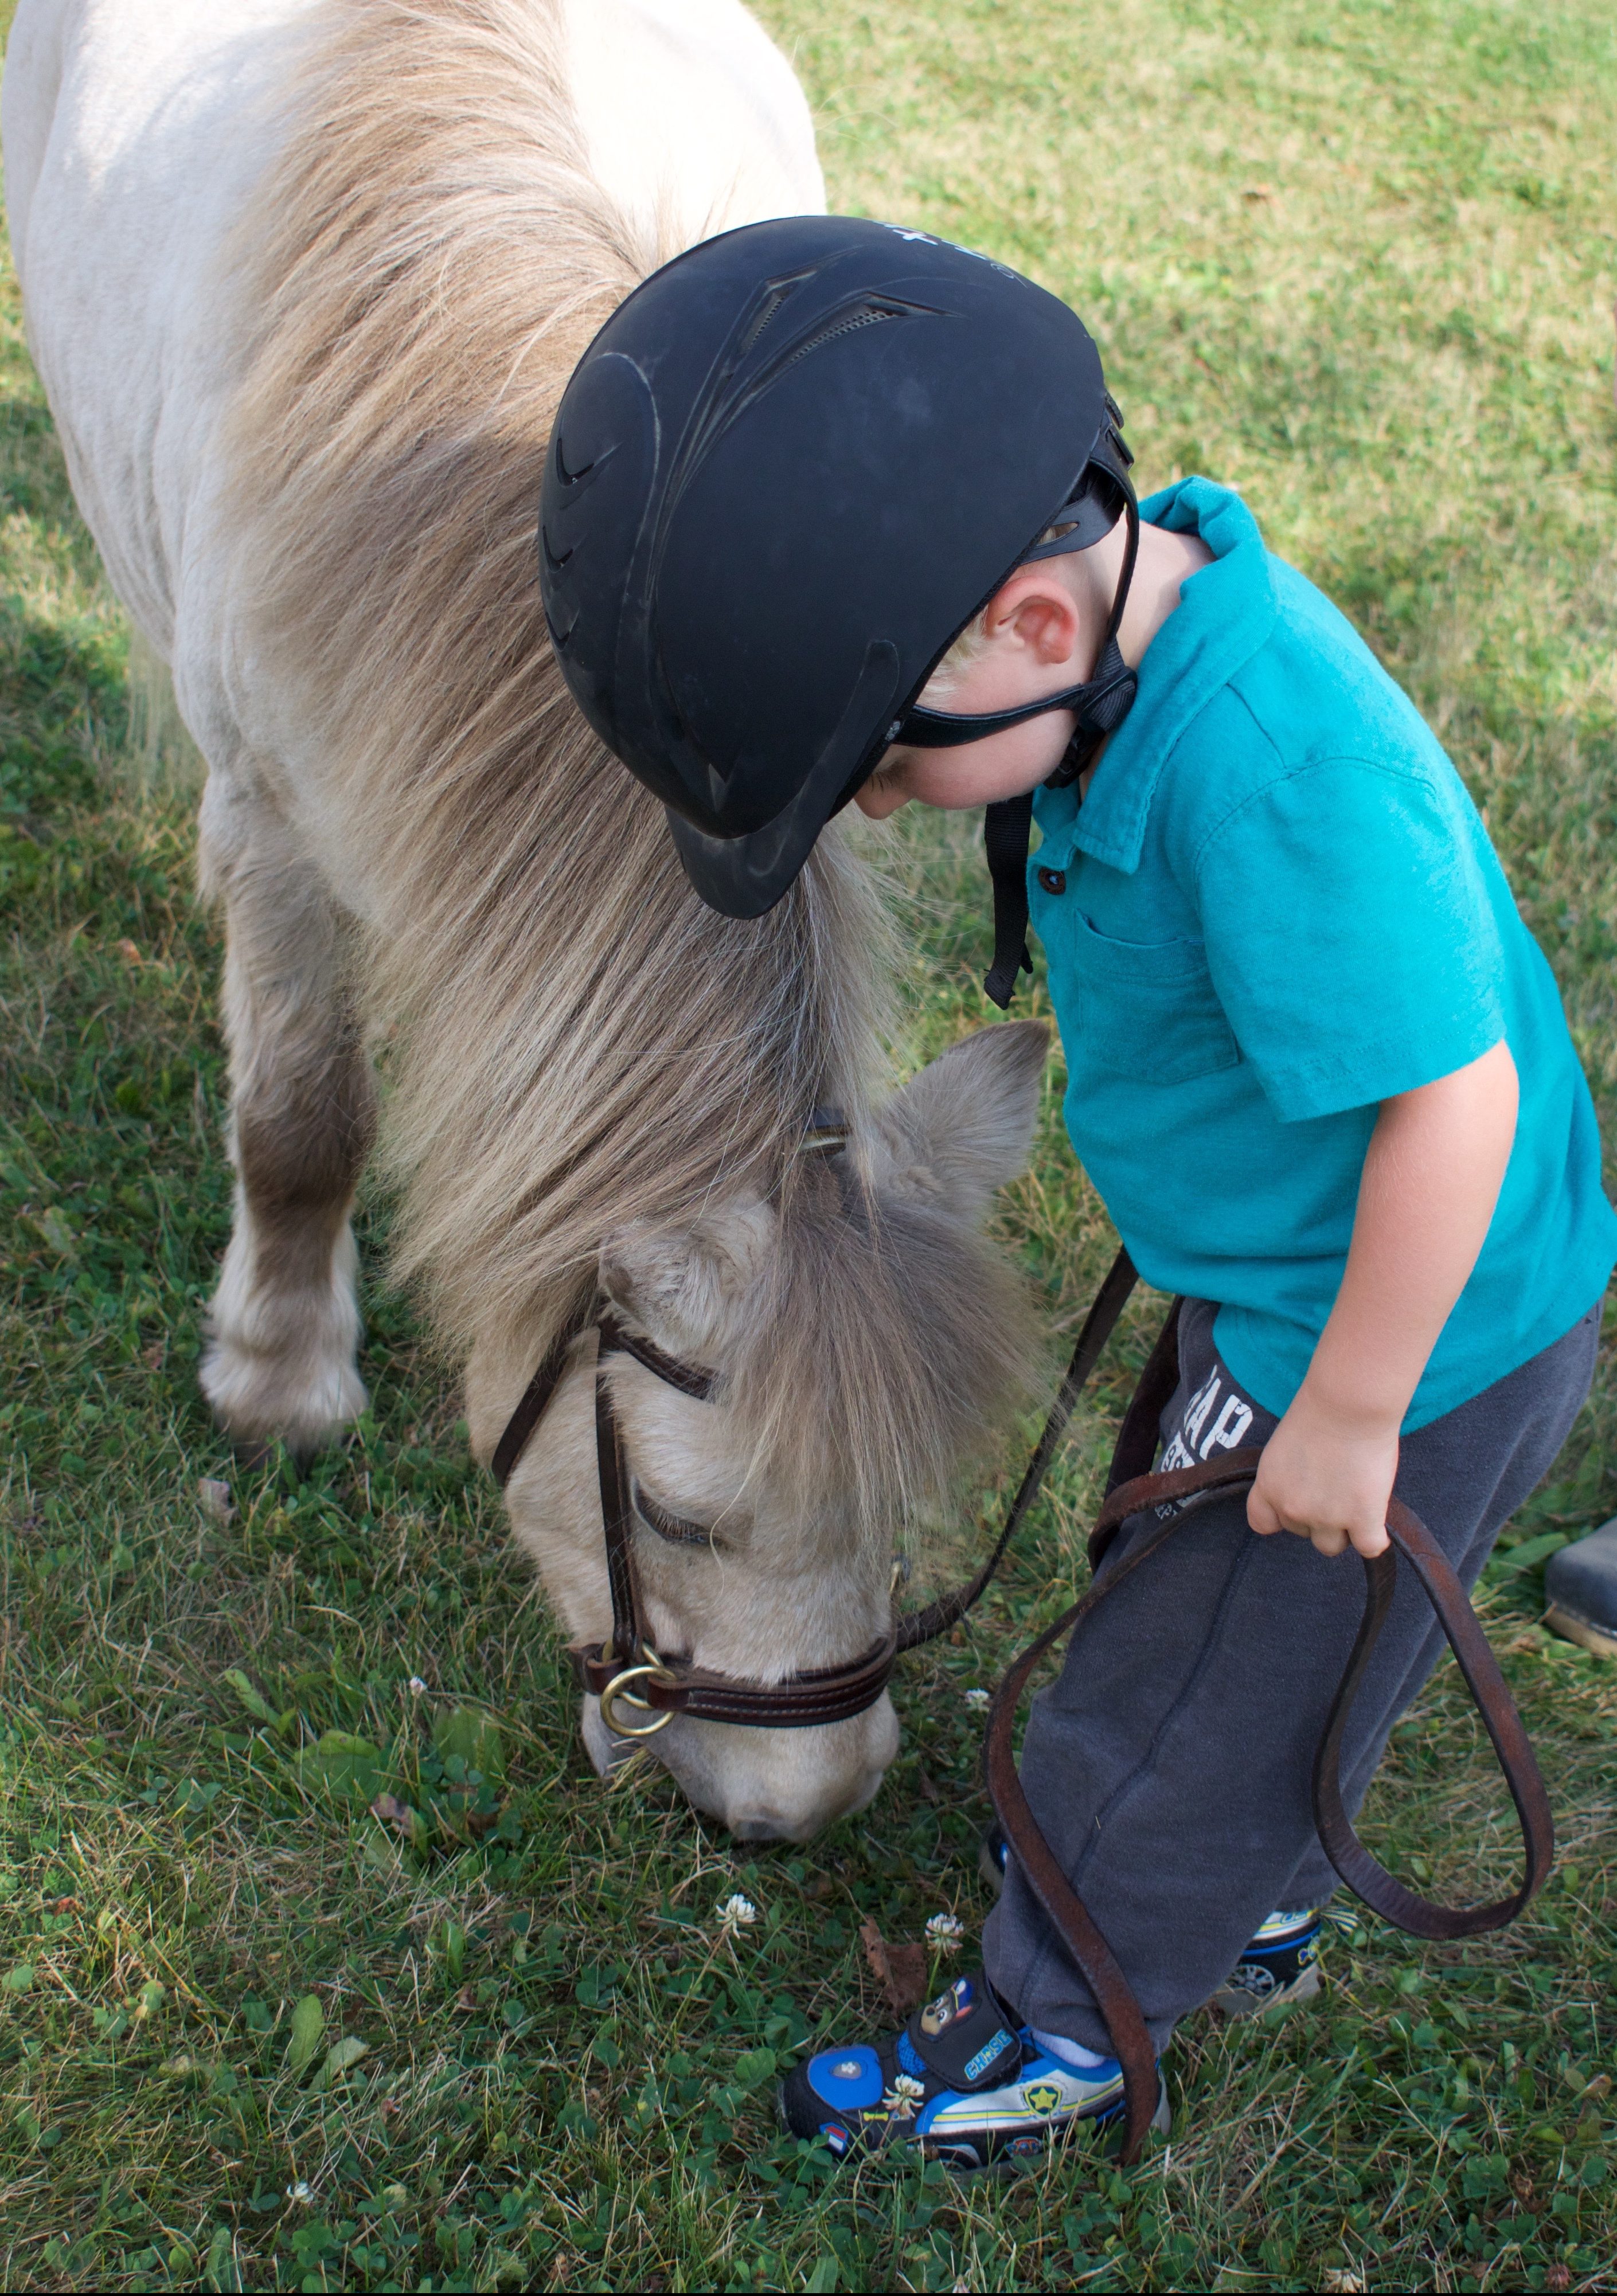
578, 1043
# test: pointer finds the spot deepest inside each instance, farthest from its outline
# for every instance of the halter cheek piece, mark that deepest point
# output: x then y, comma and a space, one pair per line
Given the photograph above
627, 1672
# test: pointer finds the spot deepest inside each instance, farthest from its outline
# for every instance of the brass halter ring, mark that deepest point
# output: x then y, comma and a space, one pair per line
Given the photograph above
614, 1689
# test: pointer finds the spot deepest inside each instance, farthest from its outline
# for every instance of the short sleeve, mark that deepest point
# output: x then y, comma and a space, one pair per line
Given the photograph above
1351, 934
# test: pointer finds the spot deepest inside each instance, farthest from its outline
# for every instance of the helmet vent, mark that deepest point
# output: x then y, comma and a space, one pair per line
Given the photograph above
864, 314
778, 291
733, 395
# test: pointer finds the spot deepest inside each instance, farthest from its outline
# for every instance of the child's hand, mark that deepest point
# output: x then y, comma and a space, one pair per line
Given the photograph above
1430, 1183
1326, 1477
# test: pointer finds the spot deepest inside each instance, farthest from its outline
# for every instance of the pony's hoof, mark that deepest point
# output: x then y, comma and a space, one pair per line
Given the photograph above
261, 1401
252, 1454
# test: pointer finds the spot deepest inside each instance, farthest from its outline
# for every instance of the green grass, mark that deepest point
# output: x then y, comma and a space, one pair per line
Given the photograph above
1358, 258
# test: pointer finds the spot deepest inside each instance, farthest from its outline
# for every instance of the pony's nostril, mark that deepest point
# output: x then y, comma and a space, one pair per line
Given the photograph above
775, 1826
761, 1828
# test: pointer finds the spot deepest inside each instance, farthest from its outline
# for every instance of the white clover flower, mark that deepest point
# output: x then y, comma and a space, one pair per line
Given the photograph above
902, 2098
302, 2193
944, 1932
976, 1699
418, 1688
736, 1913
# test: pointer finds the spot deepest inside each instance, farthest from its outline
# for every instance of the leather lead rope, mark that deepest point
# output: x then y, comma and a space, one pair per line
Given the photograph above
1098, 1325
1187, 1489
1490, 1695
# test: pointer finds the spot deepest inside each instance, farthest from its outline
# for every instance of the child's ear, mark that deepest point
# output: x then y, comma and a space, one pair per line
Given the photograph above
964, 1124
688, 1287
1037, 608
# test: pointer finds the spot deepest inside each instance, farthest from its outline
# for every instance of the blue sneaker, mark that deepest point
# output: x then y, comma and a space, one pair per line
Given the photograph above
964, 2080
1279, 1968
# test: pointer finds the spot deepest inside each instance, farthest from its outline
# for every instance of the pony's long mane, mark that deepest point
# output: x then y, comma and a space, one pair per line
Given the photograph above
577, 1042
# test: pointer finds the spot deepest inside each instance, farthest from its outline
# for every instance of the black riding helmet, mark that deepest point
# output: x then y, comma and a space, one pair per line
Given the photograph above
790, 469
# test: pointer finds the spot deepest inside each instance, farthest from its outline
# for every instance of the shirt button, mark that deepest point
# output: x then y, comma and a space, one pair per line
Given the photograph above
1053, 881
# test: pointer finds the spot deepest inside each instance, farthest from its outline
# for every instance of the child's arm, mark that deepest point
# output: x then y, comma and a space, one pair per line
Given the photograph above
1431, 1180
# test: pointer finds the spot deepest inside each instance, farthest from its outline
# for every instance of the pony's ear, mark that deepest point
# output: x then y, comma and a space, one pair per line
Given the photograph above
964, 1124
688, 1287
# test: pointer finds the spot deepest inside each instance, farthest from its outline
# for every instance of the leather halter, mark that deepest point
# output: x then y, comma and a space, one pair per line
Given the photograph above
673, 1686
670, 1685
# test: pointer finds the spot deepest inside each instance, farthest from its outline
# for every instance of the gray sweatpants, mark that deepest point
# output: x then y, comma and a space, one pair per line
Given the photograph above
1170, 1765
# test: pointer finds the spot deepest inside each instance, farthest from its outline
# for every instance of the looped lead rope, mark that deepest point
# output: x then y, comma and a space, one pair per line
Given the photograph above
1184, 1490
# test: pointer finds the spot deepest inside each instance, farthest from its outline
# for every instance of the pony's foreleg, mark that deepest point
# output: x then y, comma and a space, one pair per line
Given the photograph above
283, 1325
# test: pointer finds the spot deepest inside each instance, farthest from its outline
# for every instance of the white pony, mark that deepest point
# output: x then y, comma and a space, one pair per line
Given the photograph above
304, 279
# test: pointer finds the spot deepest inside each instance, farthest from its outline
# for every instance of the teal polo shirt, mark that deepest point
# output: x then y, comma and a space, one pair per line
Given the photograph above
1275, 908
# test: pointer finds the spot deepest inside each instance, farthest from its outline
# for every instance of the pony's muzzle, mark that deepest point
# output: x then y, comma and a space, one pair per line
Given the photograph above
765, 1786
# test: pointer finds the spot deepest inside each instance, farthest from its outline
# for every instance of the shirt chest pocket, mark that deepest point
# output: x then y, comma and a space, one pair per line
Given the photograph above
1146, 1010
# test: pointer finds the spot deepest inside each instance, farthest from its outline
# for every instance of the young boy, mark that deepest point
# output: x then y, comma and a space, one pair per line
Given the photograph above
873, 537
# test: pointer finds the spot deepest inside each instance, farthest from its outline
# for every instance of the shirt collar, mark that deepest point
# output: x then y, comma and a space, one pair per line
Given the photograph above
1224, 614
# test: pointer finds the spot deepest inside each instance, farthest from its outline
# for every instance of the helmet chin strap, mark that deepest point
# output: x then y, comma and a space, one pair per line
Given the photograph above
1099, 706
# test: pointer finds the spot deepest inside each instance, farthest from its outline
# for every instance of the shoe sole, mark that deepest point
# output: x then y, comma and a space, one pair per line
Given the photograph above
1572, 1628
1235, 2004
1003, 2166
991, 1873
1003, 2169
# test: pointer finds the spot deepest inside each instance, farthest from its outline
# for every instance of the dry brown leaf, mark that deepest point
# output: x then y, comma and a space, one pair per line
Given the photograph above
900, 1969
215, 1500
128, 951
391, 1811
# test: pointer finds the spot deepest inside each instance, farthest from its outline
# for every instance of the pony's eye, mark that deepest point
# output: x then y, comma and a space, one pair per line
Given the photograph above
675, 1527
